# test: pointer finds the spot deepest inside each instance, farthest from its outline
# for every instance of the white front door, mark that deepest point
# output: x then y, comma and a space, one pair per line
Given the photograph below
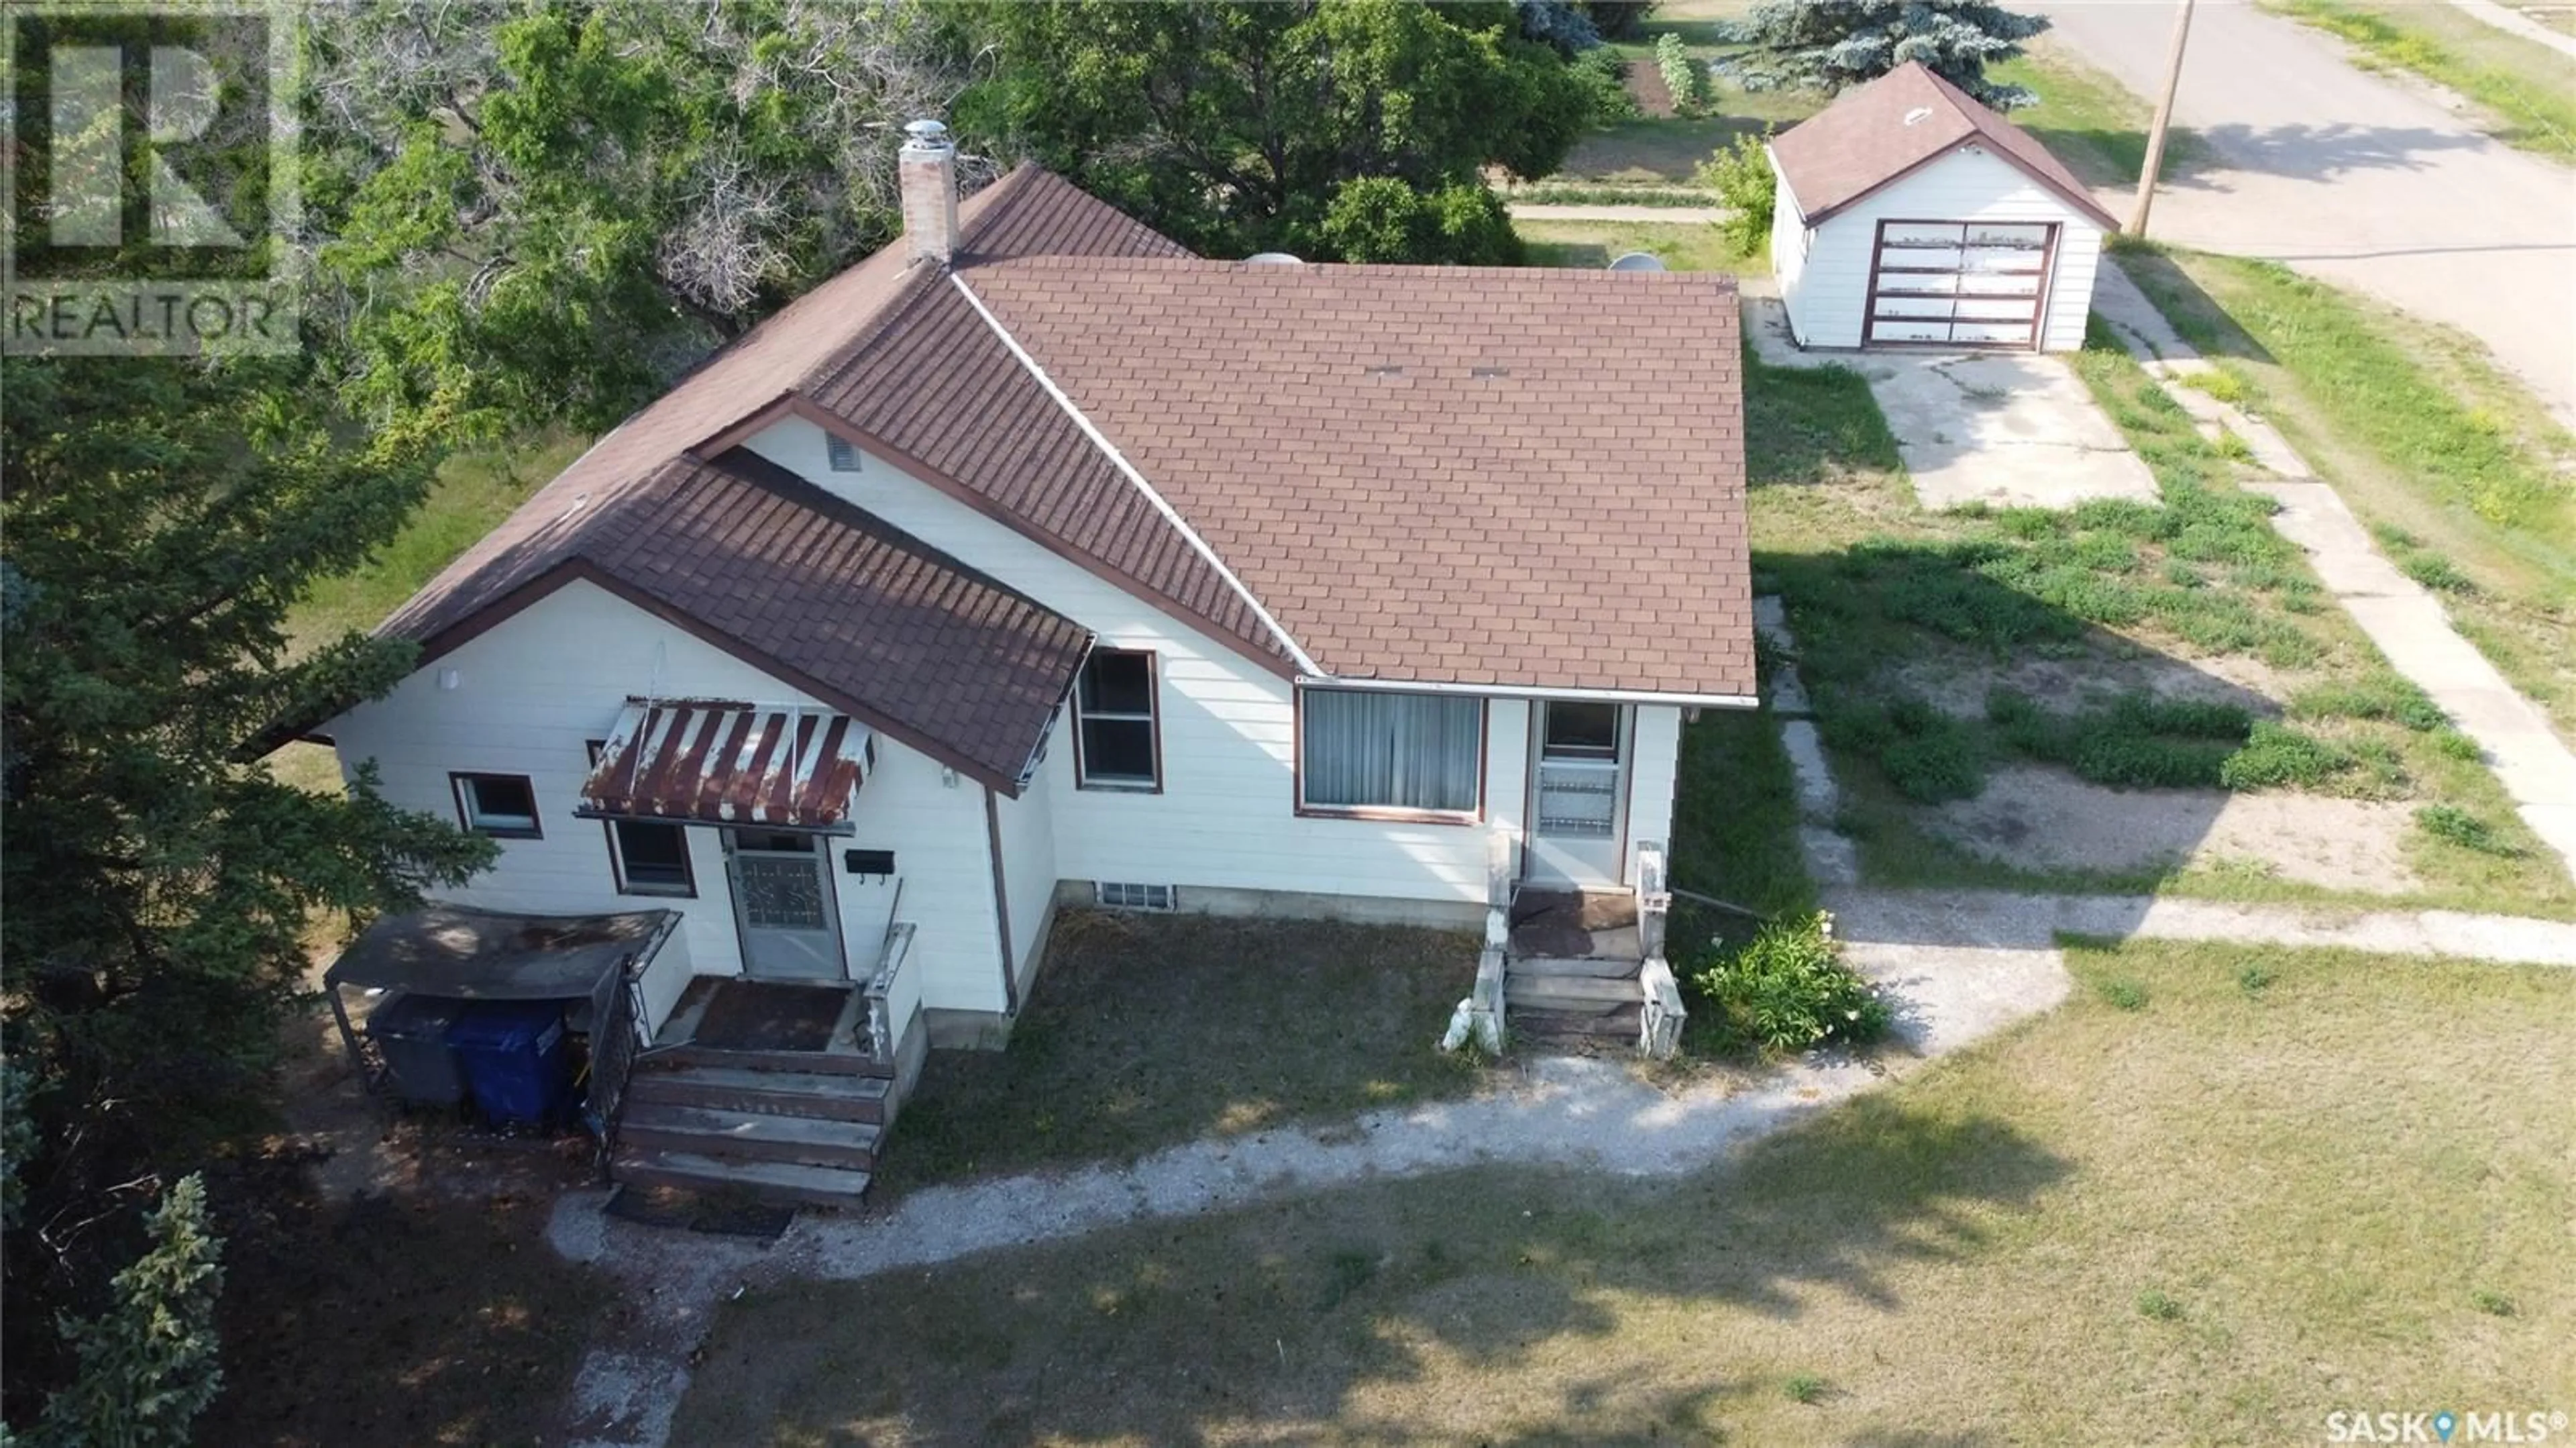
1578, 795
782, 903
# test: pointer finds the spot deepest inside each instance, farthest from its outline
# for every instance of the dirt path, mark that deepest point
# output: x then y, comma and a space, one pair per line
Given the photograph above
2402, 617
2373, 182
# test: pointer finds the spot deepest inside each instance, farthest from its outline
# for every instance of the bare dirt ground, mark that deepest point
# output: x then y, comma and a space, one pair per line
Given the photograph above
1957, 683
2037, 818
387, 1278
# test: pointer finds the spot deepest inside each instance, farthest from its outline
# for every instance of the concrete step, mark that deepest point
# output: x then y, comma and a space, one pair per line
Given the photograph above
1539, 1028
819, 1063
776, 1093
747, 1136
1570, 992
770, 1181
1602, 968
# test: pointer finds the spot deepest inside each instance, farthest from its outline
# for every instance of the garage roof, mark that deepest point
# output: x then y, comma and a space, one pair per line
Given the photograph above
1879, 133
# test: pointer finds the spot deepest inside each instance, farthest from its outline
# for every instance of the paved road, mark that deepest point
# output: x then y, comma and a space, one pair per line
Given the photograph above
2362, 181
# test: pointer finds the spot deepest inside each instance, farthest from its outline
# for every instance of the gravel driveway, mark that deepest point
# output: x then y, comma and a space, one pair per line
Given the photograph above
2372, 183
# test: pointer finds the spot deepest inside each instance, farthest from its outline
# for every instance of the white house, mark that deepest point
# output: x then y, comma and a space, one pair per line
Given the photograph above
1907, 214
1036, 560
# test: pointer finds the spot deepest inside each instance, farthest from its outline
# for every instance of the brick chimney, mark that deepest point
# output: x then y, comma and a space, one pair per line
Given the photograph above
926, 169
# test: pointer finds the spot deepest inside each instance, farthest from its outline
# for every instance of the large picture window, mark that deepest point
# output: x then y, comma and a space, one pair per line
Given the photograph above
1365, 750
1114, 728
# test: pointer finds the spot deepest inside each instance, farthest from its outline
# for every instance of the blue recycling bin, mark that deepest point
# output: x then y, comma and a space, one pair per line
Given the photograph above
511, 1054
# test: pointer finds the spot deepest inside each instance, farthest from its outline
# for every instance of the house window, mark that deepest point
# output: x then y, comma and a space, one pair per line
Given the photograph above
646, 857
501, 805
1114, 729
842, 453
1116, 896
1364, 751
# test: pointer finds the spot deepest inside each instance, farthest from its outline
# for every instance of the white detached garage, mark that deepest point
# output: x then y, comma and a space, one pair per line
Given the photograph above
1909, 215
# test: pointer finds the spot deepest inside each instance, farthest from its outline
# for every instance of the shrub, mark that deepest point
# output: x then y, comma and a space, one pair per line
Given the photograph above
1604, 72
147, 1365
1741, 176
2276, 754
2450, 822
1384, 219
1787, 990
1681, 73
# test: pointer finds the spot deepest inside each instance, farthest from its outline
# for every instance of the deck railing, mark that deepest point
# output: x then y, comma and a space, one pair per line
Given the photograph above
1659, 1029
894, 995
617, 1037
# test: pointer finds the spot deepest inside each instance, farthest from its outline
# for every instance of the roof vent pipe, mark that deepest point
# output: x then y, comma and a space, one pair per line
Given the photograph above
926, 172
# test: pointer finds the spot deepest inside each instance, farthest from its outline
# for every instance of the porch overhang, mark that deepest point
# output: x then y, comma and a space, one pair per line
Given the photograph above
725, 762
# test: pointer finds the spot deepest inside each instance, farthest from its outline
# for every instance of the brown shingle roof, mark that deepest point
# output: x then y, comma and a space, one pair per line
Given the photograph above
1526, 478
1862, 142
829, 599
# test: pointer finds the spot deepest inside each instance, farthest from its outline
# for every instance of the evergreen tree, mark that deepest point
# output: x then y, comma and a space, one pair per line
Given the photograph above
1832, 45
158, 517
148, 1365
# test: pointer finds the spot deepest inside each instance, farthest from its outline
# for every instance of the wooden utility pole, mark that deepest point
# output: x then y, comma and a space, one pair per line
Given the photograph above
2164, 118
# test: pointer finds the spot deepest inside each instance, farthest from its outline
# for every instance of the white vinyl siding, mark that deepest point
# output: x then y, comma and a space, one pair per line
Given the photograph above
536, 689
1226, 816
1829, 298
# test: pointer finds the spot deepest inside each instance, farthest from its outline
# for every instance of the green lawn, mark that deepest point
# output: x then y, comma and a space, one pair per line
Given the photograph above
1592, 245
1874, 585
2423, 437
2279, 1185
2526, 89
1147, 1031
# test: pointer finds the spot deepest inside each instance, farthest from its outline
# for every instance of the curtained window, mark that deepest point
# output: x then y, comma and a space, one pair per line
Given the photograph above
1364, 749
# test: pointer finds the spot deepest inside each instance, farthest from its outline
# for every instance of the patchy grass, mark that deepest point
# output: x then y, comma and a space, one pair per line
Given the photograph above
2526, 90
1874, 583
2350, 1183
1592, 245
2461, 474
2090, 121
1146, 1031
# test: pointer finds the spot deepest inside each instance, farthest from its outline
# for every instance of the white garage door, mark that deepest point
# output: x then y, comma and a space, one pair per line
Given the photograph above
1960, 284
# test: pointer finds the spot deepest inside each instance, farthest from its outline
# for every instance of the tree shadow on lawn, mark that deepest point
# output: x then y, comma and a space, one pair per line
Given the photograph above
1373, 1308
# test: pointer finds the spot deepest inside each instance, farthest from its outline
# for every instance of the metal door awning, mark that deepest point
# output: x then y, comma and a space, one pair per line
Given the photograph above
716, 761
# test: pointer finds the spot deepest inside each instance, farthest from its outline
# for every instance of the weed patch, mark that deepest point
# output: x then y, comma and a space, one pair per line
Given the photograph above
1785, 990
2276, 755
2459, 827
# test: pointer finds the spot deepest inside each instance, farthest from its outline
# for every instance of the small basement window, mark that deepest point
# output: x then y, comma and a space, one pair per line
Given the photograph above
1116, 896
501, 805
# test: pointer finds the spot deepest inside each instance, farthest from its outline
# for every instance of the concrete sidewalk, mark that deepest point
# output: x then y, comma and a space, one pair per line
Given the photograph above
2402, 617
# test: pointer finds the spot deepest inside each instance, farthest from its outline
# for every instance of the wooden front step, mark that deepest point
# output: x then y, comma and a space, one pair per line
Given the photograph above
776, 1093
1601, 968
750, 1136
1621, 1023
819, 1063
1576, 993
774, 1181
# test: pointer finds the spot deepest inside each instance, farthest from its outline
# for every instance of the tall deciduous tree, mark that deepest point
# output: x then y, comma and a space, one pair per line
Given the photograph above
543, 210
1236, 126
158, 518
1830, 45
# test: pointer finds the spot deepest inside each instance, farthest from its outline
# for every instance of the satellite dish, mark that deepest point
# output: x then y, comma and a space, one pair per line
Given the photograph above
1645, 261
1275, 258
